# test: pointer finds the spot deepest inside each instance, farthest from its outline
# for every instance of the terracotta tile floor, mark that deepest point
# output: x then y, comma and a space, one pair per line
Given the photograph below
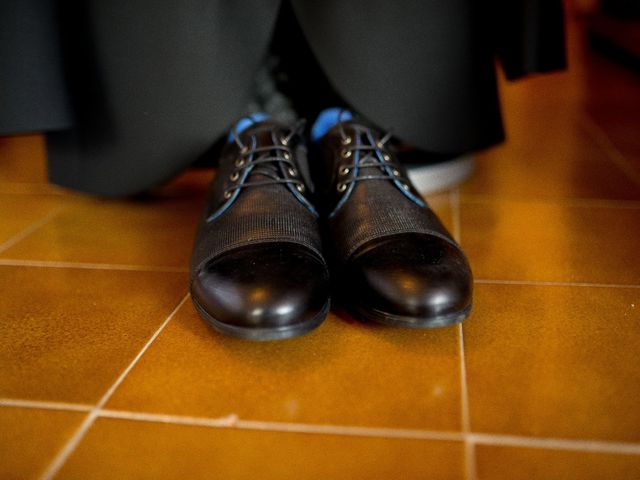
107, 372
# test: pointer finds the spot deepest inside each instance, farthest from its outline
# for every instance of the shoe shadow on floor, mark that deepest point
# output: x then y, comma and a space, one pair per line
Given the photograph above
304, 353
441, 342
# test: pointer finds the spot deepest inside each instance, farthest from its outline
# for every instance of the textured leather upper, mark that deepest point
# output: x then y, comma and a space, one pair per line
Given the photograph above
235, 217
371, 209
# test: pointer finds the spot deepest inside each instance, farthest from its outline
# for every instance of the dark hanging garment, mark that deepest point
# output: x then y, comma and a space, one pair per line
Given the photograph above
130, 92
33, 94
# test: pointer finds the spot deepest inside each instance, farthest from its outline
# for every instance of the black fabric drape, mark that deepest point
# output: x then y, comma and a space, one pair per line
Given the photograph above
130, 92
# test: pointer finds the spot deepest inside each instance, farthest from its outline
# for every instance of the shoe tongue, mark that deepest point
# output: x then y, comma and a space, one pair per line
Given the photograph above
265, 133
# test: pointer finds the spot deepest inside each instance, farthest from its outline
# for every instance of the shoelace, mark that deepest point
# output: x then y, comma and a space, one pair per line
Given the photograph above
253, 158
367, 153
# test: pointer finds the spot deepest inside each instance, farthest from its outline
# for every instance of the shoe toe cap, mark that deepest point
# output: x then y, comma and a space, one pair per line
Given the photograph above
262, 287
413, 276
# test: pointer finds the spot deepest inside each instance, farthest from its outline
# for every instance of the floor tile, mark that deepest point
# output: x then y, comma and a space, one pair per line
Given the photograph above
572, 166
616, 130
67, 334
126, 449
22, 159
344, 373
547, 140
528, 240
33, 189
192, 182
18, 212
515, 463
440, 203
30, 438
555, 361
614, 105
23, 167
549, 152
153, 232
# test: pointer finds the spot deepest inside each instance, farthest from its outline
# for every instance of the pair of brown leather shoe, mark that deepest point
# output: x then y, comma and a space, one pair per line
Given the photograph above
258, 270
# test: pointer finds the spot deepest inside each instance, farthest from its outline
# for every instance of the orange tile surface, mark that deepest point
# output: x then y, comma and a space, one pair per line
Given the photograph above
342, 373
440, 203
515, 463
141, 450
153, 232
550, 150
68, 333
23, 167
569, 164
550, 241
21, 159
19, 212
30, 438
614, 110
555, 361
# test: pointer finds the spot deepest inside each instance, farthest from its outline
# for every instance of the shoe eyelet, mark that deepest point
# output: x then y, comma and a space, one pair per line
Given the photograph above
244, 149
342, 187
227, 194
404, 186
234, 176
240, 162
345, 140
396, 173
292, 171
345, 153
344, 170
287, 156
284, 140
386, 157
300, 187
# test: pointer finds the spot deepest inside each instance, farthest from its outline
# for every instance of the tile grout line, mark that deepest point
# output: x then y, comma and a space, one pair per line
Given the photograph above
469, 447
602, 140
572, 202
8, 188
484, 281
346, 430
31, 228
454, 200
232, 421
8, 262
93, 266
45, 405
62, 456
597, 446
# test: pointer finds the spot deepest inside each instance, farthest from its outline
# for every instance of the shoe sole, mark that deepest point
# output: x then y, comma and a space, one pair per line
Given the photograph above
441, 176
261, 333
385, 318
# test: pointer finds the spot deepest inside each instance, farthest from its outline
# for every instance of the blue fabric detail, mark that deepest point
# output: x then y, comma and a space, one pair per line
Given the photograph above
327, 119
246, 122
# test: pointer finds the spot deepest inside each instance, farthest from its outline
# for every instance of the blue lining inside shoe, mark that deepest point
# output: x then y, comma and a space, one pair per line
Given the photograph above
327, 119
246, 122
